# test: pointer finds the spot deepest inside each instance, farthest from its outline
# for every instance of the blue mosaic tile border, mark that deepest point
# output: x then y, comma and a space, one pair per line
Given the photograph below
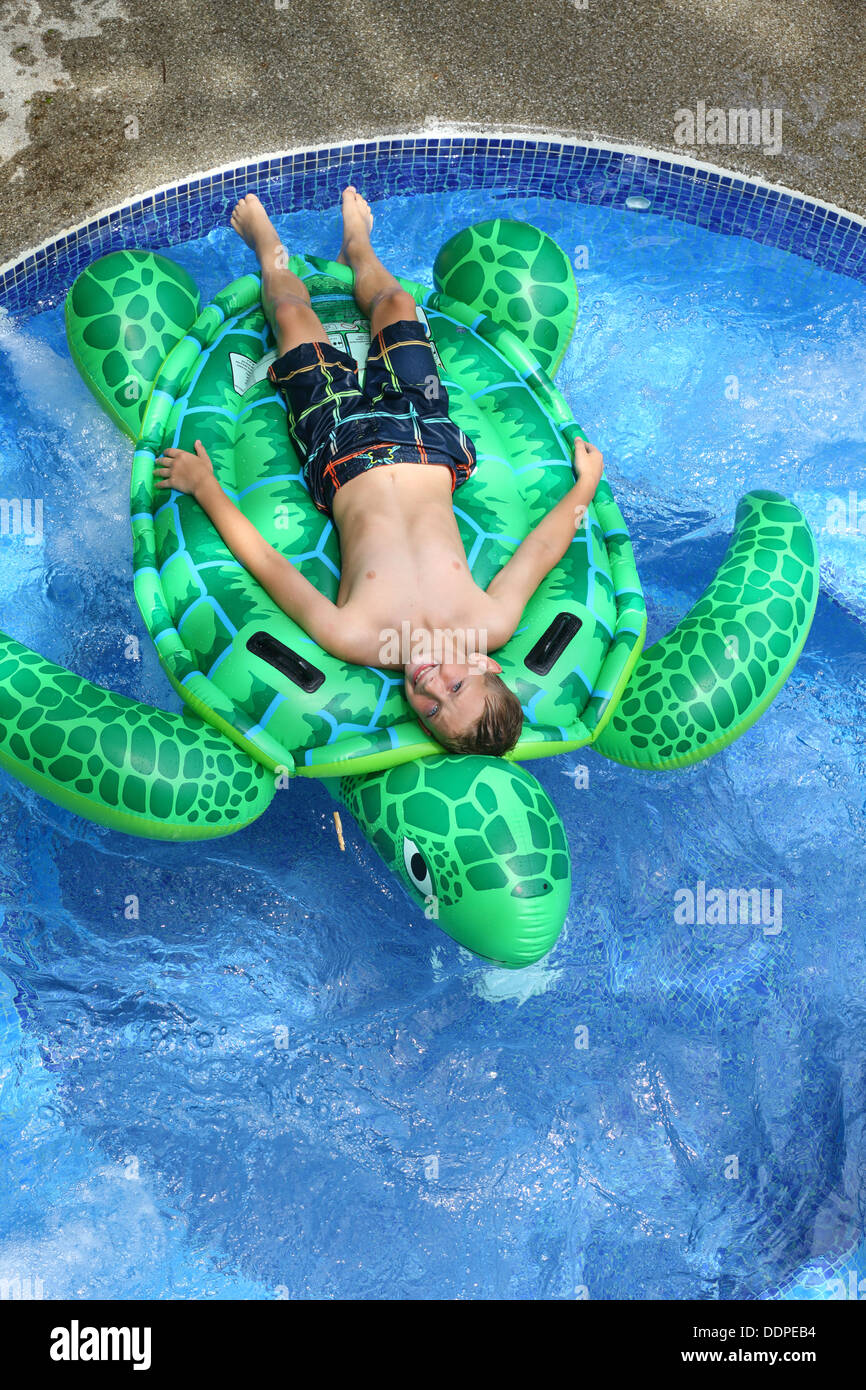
515, 166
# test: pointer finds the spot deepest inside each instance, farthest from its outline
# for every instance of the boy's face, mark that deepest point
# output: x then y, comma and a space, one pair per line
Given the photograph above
448, 698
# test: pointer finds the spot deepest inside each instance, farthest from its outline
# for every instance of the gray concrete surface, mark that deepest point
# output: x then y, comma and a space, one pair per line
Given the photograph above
212, 82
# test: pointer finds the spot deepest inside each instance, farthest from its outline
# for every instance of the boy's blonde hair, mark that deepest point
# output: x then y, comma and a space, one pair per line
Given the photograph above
498, 728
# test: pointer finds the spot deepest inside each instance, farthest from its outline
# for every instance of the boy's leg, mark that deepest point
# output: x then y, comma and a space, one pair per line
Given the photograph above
378, 294
318, 382
402, 377
285, 297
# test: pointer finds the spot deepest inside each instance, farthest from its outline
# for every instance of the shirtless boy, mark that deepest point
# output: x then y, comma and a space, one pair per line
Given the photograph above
383, 462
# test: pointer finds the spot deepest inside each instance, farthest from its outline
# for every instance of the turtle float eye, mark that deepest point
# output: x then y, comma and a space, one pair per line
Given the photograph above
416, 866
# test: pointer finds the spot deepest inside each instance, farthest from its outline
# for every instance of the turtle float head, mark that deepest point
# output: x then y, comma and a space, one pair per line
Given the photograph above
477, 843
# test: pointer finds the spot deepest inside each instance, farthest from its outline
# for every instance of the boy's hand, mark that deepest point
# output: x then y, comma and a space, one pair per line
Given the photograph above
183, 471
588, 465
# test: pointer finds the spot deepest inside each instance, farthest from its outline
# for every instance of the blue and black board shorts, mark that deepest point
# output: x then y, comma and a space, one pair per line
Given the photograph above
400, 415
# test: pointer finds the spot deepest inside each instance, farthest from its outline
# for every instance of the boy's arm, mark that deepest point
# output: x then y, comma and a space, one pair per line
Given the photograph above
514, 585
316, 614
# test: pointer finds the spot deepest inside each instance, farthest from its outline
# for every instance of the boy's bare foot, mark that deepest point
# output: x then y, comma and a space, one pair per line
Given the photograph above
357, 223
251, 222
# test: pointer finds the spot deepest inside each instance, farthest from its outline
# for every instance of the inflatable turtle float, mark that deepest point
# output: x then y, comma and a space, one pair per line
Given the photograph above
475, 841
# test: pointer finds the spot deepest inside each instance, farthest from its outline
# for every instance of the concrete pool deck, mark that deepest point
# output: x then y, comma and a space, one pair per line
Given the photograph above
105, 99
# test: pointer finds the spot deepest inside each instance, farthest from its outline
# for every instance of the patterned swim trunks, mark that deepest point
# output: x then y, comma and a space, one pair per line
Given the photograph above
400, 415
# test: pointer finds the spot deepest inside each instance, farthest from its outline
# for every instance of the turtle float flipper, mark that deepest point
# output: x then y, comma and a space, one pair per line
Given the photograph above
700, 687
518, 277
126, 765
124, 315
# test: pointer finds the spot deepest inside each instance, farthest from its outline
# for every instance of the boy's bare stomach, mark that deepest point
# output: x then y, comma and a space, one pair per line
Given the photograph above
402, 556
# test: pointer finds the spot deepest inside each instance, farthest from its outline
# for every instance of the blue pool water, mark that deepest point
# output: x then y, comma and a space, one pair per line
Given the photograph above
279, 1079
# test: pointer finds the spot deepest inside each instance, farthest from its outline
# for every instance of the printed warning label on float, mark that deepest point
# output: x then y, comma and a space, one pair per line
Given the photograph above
245, 370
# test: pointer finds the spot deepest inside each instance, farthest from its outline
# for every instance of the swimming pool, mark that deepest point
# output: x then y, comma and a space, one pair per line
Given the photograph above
228, 1068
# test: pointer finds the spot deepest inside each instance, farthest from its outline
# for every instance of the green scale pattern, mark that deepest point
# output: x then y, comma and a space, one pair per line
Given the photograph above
126, 309
119, 762
473, 836
723, 664
517, 276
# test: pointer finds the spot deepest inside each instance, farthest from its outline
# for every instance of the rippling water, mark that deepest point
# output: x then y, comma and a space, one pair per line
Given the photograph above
252, 1068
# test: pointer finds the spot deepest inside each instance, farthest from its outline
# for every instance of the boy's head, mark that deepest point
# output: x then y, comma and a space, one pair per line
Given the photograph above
467, 707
